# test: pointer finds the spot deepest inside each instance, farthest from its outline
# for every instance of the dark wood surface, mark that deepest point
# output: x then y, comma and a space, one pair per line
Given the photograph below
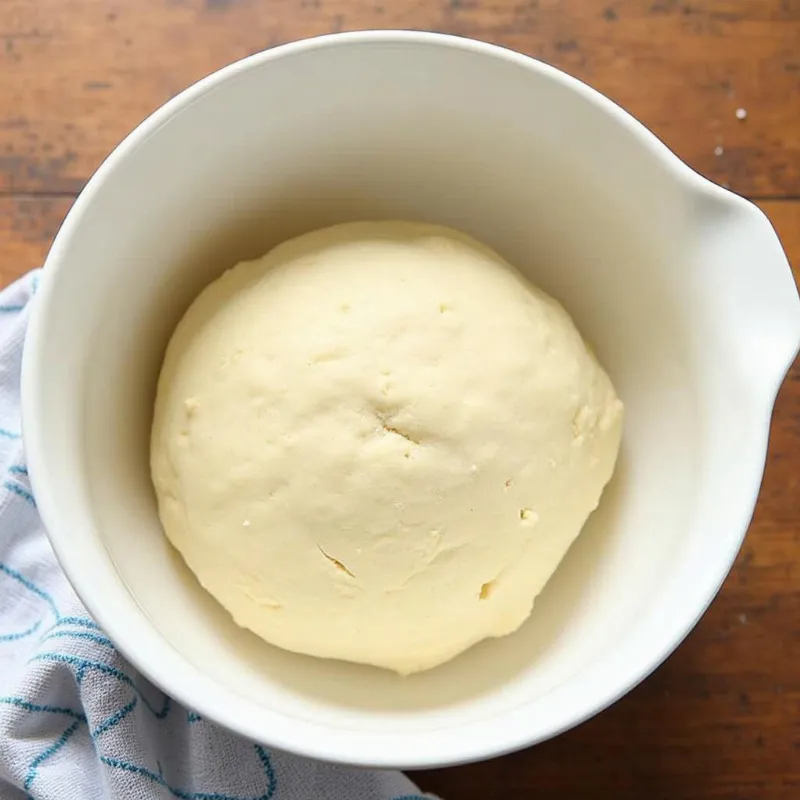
721, 719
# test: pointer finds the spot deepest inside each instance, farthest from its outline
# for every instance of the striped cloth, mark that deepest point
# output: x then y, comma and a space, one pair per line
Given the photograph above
76, 720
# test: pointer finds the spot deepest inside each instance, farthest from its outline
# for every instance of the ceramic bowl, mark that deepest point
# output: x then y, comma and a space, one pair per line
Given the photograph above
682, 288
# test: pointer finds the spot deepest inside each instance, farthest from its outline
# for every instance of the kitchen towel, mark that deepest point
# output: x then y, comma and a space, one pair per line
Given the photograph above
76, 720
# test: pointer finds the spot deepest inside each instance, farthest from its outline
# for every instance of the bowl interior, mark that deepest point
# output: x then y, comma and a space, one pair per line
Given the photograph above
400, 128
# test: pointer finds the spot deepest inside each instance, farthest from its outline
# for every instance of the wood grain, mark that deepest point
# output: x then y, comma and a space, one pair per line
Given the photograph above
683, 68
721, 719
27, 227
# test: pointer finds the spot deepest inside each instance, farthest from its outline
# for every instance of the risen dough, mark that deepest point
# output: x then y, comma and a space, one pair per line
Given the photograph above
377, 442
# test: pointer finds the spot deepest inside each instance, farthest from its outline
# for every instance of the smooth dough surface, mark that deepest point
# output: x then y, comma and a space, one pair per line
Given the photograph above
377, 442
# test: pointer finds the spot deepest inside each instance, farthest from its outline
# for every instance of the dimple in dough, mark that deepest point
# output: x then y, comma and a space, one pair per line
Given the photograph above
377, 442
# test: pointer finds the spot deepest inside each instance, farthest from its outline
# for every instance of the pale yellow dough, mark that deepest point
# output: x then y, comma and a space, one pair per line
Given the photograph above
377, 442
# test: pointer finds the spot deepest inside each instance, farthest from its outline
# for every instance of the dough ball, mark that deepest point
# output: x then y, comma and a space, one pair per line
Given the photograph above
377, 442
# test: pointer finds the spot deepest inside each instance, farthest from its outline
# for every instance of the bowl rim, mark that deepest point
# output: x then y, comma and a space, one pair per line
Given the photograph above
501, 733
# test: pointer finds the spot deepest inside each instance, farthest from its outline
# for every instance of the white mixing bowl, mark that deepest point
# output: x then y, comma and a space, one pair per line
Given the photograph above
682, 288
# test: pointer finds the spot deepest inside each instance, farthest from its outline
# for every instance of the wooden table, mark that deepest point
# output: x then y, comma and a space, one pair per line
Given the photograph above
721, 719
